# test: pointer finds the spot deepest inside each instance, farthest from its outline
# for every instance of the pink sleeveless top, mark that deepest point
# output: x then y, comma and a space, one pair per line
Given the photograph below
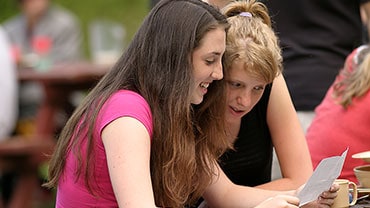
72, 192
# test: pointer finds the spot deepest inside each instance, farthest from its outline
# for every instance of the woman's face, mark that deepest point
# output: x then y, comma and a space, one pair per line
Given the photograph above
243, 91
34, 8
207, 63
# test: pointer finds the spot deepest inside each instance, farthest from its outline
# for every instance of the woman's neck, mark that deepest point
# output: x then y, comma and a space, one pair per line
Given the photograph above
233, 129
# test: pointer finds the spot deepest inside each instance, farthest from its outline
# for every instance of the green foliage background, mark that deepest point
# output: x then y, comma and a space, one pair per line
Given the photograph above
129, 13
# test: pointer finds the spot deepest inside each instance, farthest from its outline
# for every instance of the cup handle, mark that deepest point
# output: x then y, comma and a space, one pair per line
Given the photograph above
354, 193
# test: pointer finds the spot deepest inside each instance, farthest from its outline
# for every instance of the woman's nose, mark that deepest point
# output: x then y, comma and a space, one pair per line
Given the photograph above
243, 99
217, 73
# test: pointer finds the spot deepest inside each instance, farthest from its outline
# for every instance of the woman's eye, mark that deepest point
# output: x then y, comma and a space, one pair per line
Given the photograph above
209, 62
259, 88
234, 84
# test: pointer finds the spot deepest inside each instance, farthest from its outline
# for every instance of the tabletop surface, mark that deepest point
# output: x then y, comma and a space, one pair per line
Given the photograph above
363, 203
64, 72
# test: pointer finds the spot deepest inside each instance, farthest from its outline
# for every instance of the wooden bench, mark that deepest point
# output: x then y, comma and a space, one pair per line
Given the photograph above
22, 155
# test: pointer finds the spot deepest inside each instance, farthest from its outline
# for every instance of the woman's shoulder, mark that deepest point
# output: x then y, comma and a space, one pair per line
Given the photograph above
127, 97
126, 103
127, 93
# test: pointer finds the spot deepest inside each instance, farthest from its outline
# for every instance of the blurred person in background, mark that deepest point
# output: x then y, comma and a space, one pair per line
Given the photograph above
9, 100
41, 35
8, 89
44, 27
343, 117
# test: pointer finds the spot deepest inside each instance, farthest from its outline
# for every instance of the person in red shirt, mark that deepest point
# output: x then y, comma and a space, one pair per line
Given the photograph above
343, 118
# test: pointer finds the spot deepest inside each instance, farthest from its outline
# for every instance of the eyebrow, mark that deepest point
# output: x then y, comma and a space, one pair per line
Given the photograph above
216, 53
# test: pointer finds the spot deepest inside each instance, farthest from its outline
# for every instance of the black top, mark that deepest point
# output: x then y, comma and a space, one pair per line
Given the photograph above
316, 36
250, 163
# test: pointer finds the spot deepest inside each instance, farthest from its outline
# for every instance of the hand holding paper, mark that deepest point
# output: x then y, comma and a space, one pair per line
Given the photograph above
322, 178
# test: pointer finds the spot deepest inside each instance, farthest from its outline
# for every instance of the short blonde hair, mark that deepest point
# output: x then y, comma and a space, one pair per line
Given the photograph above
252, 40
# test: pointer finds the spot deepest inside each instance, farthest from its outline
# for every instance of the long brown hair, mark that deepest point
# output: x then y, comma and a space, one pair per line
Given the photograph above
157, 64
355, 75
